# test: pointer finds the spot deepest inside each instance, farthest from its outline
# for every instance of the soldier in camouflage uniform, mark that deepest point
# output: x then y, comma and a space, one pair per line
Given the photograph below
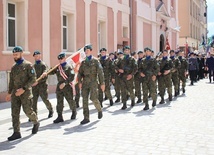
182, 71
176, 67
22, 77
127, 67
164, 79
148, 70
90, 73
65, 75
108, 74
138, 80
40, 88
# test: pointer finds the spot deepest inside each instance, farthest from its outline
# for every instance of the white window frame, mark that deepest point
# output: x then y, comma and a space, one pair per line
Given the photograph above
99, 36
65, 27
7, 26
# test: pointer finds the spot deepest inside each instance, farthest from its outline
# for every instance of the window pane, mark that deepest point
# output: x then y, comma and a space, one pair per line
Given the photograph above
11, 33
64, 38
64, 20
11, 10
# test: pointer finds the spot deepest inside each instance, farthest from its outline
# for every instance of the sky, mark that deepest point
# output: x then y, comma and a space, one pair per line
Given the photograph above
210, 17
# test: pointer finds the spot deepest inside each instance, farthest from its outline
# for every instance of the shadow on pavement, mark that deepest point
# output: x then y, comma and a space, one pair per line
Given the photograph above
81, 128
7, 145
144, 113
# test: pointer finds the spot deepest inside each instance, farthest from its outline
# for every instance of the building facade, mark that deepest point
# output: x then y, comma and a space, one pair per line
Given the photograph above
193, 22
52, 26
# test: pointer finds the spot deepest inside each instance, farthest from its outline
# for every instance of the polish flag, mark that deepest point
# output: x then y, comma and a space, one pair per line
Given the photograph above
167, 45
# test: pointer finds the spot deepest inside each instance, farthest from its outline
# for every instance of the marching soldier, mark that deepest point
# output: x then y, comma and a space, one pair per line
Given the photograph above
22, 77
40, 88
65, 76
126, 68
182, 71
108, 74
90, 72
176, 67
164, 79
148, 70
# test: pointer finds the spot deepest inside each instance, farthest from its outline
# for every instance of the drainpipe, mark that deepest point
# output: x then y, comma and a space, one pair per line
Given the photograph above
130, 24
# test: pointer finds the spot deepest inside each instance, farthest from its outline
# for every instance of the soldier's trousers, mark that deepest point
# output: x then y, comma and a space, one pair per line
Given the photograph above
117, 87
138, 87
149, 87
90, 88
107, 91
163, 83
26, 102
127, 87
175, 81
68, 94
41, 91
182, 78
77, 97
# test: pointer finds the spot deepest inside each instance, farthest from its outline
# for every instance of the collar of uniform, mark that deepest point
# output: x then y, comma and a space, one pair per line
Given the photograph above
38, 62
20, 61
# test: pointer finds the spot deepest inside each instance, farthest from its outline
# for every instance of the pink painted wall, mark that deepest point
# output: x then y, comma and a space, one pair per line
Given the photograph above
147, 35
120, 1
55, 30
147, 1
119, 28
93, 27
134, 26
110, 31
173, 41
80, 27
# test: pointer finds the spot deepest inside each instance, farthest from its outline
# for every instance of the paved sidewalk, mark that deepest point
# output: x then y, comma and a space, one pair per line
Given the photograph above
184, 126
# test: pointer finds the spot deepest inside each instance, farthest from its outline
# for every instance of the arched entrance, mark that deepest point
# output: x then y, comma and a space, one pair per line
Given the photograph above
161, 42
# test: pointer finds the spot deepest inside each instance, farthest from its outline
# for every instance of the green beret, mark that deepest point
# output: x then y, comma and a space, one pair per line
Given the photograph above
139, 52
120, 52
61, 55
88, 47
126, 47
147, 49
36, 53
103, 49
17, 49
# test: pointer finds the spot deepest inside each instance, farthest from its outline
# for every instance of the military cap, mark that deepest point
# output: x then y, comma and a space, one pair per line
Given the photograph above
17, 49
89, 46
147, 49
126, 47
36, 53
133, 53
111, 53
139, 52
120, 52
103, 49
172, 51
61, 55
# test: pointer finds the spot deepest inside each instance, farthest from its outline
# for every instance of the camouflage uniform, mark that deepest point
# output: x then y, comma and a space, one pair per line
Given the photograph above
77, 96
90, 72
175, 78
138, 81
165, 81
182, 71
117, 82
41, 89
22, 76
130, 67
149, 67
108, 74
66, 92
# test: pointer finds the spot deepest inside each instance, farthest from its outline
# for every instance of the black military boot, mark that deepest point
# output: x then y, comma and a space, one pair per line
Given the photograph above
50, 114
176, 94
139, 100
154, 103
15, 135
183, 89
35, 128
117, 100
74, 114
101, 104
59, 119
124, 106
170, 97
133, 103
111, 102
100, 114
85, 121
146, 106
77, 103
162, 101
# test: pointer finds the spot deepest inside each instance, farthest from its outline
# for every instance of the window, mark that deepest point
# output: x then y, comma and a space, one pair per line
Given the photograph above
65, 32
11, 25
101, 32
125, 32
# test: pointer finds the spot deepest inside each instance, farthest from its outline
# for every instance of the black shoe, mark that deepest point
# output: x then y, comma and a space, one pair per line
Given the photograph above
74, 114
59, 119
133, 103
111, 102
77, 103
191, 83
100, 114
183, 89
35, 128
153, 103
84, 121
105, 98
170, 97
15, 135
146, 107
139, 100
176, 94
29, 120
117, 100
101, 104
124, 106
50, 114
162, 101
